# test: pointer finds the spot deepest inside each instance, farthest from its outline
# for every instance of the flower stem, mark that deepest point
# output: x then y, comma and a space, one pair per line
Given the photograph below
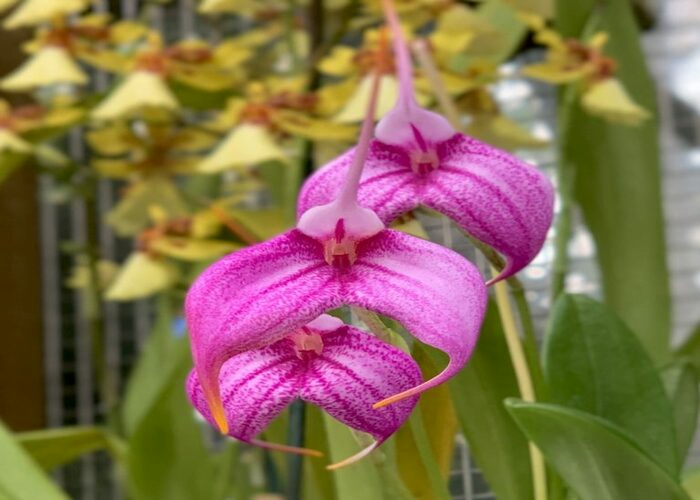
296, 436
527, 391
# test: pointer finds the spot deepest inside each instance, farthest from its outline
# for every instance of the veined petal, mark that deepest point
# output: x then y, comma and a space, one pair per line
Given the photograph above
387, 186
356, 370
253, 298
491, 194
352, 371
494, 196
436, 294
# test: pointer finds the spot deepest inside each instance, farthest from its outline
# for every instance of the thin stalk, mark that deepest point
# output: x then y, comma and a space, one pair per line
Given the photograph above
316, 26
522, 374
290, 22
296, 437
95, 309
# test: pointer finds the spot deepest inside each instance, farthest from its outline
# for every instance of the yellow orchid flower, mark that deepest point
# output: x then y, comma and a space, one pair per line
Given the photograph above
51, 65
247, 8
145, 149
268, 113
141, 92
573, 61
36, 12
142, 275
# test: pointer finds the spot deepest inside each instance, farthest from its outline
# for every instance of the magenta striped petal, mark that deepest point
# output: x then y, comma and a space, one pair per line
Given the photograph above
491, 194
436, 294
353, 371
253, 298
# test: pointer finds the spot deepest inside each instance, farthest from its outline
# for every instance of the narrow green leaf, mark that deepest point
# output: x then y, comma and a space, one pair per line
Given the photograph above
314, 469
594, 363
21, 477
689, 351
592, 455
681, 382
691, 483
53, 447
617, 178
478, 391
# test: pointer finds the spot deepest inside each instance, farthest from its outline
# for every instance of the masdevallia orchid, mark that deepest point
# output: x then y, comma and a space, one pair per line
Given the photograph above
418, 158
338, 254
339, 368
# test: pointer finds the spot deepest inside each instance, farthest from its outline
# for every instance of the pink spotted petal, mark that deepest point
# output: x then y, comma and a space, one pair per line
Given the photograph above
436, 294
253, 298
354, 371
388, 185
491, 194
494, 196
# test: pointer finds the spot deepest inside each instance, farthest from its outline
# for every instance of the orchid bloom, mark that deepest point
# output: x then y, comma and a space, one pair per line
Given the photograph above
339, 254
418, 158
339, 368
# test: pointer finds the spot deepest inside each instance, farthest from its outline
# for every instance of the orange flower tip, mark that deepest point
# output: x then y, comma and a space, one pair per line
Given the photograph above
355, 458
217, 411
287, 449
393, 399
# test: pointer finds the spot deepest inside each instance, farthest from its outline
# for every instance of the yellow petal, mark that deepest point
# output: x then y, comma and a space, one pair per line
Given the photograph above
264, 223
107, 60
205, 224
356, 107
229, 117
339, 62
115, 169
205, 77
232, 53
35, 12
6, 4
13, 143
131, 214
299, 124
502, 132
111, 141
59, 117
80, 275
49, 66
192, 250
191, 140
141, 276
126, 32
245, 146
412, 227
609, 100
554, 73
140, 91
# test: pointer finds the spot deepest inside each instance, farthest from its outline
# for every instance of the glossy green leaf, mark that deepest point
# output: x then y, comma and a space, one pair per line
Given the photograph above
53, 447
478, 391
21, 477
681, 382
617, 178
594, 363
596, 460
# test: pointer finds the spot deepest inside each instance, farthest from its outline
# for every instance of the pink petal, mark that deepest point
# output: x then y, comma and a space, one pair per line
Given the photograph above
255, 387
356, 370
387, 184
495, 197
491, 194
253, 298
436, 294
353, 371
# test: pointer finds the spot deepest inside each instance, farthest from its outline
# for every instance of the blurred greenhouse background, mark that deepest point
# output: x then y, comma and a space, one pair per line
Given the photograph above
63, 391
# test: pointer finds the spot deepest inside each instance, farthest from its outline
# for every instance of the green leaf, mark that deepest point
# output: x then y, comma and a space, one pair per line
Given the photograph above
478, 391
361, 480
690, 350
617, 178
594, 363
21, 477
162, 357
681, 382
691, 483
511, 30
53, 447
596, 460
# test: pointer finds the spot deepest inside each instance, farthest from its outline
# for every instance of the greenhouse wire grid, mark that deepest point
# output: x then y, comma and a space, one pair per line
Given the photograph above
70, 390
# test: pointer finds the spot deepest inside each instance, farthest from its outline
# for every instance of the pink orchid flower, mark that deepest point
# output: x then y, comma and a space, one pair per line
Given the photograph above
418, 158
339, 368
339, 254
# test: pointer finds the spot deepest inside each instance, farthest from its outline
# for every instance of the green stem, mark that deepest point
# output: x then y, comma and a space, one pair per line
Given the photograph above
95, 308
289, 34
295, 463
